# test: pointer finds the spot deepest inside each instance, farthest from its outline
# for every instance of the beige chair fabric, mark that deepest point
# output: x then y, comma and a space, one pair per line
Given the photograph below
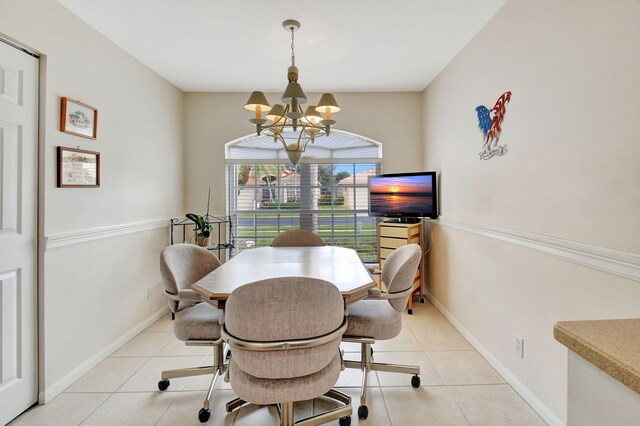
199, 322
373, 318
262, 391
288, 308
377, 319
182, 265
399, 270
297, 238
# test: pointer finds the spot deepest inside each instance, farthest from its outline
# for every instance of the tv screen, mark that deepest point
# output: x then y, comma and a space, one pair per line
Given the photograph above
403, 195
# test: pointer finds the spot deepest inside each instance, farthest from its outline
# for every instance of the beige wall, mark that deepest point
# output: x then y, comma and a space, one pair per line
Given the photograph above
572, 172
213, 119
96, 292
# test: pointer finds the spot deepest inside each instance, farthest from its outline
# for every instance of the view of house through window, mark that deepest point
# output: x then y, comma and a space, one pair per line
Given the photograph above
328, 197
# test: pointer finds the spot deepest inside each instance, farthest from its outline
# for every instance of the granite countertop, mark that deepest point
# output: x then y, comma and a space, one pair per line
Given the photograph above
611, 345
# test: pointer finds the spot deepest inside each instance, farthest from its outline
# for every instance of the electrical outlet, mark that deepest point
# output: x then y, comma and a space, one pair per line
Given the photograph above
518, 346
148, 294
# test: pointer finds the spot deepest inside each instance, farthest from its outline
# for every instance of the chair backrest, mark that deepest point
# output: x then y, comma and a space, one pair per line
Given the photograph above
399, 271
284, 309
182, 265
297, 238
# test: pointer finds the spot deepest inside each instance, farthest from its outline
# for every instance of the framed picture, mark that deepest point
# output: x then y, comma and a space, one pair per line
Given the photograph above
78, 119
78, 168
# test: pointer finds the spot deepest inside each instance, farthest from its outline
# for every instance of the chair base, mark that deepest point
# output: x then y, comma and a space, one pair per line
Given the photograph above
285, 410
217, 369
366, 364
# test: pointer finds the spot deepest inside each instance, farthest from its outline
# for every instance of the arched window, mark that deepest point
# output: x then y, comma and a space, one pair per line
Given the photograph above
325, 193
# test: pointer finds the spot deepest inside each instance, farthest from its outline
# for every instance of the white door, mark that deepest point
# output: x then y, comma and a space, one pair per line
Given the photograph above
18, 236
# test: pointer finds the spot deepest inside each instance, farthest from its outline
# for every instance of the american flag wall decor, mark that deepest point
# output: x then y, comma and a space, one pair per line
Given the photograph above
490, 124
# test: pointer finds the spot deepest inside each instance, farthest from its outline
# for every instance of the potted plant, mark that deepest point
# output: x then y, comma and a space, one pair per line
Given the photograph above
203, 228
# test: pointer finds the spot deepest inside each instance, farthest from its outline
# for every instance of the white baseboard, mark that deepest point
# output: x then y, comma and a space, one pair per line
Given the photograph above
539, 407
46, 395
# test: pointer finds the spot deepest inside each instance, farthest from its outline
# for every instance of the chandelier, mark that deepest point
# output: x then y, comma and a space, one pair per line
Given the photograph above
287, 123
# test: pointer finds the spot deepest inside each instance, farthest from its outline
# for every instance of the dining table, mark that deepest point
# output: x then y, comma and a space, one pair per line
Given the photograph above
338, 265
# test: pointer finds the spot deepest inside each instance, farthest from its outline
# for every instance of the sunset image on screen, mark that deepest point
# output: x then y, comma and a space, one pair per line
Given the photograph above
401, 184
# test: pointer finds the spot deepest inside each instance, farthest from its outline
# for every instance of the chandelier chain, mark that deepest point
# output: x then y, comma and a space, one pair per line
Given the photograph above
293, 54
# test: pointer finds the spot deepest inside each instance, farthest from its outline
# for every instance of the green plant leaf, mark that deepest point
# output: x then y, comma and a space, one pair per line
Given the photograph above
197, 219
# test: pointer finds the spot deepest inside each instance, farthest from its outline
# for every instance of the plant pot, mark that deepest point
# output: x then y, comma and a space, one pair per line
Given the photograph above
202, 241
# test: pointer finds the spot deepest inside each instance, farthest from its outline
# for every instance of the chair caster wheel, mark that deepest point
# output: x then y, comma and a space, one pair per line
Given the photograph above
422, 300
163, 384
345, 421
415, 381
363, 412
410, 311
203, 415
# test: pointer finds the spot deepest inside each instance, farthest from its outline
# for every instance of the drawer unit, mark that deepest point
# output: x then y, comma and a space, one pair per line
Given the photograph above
393, 231
392, 243
384, 253
393, 235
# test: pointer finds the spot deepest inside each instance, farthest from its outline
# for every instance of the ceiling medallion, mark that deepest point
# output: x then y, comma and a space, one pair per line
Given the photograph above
288, 124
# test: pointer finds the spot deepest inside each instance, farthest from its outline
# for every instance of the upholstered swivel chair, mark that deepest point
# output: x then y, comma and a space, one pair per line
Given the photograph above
378, 317
196, 323
284, 335
297, 238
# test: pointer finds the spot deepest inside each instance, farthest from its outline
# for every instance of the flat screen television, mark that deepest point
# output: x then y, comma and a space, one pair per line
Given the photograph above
404, 195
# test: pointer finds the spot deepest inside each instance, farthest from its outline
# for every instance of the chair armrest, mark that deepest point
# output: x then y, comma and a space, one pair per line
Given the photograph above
372, 269
376, 294
189, 295
183, 296
283, 345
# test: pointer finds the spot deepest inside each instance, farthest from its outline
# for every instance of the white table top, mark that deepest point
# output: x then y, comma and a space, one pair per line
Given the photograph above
340, 266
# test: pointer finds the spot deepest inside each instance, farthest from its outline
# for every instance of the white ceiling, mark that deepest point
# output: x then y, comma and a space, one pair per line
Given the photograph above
240, 45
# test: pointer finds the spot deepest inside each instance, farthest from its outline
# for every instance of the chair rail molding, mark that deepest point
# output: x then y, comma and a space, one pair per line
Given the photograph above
79, 237
624, 264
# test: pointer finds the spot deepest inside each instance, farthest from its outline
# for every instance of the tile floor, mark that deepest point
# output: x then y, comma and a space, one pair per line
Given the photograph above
458, 386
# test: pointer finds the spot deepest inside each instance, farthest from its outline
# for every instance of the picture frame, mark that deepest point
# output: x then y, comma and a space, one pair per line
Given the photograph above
77, 118
78, 168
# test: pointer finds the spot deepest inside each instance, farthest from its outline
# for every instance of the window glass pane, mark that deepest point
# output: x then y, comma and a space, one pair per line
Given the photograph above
329, 199
367, 237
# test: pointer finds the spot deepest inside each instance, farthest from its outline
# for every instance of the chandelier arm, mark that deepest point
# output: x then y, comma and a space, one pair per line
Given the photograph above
300, 137
282, 141
299, 126
276, 123
319, 134
306, 143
